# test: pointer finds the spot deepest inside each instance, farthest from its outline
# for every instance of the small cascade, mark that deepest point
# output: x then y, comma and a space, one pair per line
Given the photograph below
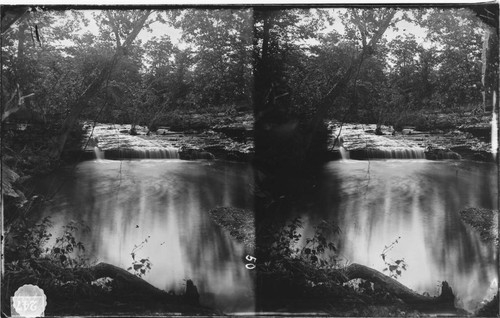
339, 145
388, 153
99, 154
344, 153
142, 153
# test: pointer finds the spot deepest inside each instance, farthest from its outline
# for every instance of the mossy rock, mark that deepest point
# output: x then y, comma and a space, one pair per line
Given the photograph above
238, 222
485, 221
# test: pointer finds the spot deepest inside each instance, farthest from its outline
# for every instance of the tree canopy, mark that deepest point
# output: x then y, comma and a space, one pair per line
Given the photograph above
141, 67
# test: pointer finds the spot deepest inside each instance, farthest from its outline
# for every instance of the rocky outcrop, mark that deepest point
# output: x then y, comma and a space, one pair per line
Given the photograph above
369, 141
440, 154
116, 142
480, 130
186, 153
238, 222
485, 221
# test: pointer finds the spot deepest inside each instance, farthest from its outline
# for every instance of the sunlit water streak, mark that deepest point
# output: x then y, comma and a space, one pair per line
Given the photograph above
494, 135
376, 202
494, 127
166, 201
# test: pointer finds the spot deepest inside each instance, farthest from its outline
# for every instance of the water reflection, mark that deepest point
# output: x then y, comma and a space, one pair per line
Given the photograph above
378, 201
166, 202
374, 202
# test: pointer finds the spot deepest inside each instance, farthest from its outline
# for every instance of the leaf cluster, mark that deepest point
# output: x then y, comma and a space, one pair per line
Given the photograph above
140, 266
288, 245
57, 264
394, 267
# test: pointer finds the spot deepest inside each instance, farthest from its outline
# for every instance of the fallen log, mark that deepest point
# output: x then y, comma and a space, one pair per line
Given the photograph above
443, 302
134, 285
127, 280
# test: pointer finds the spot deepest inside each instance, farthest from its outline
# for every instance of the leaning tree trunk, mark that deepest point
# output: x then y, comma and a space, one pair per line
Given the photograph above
82, 101
17, 100
10, 16
337, 89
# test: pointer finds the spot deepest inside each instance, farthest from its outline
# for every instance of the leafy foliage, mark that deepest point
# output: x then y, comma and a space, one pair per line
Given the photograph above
27, 241
66, 244
57, 264
318, 245
394, 267
140, 266
296, 66
289, 246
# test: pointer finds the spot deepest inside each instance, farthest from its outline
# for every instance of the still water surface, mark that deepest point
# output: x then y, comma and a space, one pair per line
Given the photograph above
167, 203
373, 202
418, 201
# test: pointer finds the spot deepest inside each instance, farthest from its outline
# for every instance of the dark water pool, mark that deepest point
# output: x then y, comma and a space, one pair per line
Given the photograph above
374, 203
167, 203
418, 201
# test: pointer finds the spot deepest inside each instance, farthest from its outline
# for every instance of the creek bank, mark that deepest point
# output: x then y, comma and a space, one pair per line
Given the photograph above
490, 309
299, 286
369, 141
232, 142
230, 137
105, 289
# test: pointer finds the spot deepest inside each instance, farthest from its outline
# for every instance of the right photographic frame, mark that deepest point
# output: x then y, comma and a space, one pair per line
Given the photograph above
376, 178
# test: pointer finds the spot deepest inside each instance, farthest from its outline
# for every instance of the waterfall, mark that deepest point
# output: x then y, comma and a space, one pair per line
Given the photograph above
99, 154
388, 153
344, 153
142, 153
339, 144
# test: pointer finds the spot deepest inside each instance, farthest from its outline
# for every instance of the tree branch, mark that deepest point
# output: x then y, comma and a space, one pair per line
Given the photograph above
114, 26
355, 66
94, 87
9, 110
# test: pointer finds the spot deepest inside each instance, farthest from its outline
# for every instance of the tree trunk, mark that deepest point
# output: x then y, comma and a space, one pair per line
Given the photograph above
338, 88
445, 301
263, 75
22, 77
10, 16
126, 279
82, 101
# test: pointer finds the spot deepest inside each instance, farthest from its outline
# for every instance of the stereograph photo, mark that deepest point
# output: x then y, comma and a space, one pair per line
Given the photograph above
271, 160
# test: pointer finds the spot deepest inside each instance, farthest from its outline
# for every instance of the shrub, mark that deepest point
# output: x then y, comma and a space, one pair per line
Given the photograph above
140, 266
33, 256
306, 254
394, 267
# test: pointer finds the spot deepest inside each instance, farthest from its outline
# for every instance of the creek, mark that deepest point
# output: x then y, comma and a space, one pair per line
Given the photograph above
417, 203
374, 203
165, 202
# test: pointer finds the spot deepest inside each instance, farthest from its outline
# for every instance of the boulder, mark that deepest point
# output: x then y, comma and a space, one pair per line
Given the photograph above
440, 154
193, 154
485, 221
